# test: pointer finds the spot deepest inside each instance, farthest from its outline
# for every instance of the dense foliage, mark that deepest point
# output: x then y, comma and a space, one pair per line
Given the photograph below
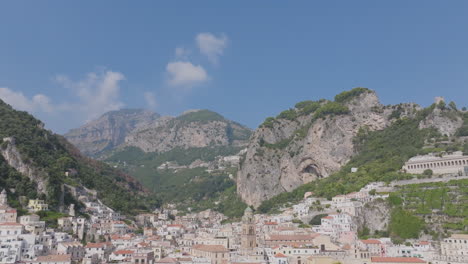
405, 225
52, 155
331, 108
349, 95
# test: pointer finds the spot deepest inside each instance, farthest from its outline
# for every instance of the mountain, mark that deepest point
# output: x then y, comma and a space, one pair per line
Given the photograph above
109, 130
318, 142
197, 151
192, 129
35, 163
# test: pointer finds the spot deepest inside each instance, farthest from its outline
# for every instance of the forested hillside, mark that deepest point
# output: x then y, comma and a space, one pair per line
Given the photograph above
47, 157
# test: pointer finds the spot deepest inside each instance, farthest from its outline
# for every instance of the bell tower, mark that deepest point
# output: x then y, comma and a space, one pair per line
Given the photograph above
248, 237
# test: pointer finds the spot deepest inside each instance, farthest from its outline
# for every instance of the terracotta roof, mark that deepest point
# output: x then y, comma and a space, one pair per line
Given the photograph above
54, 258
424, 243
271, 223
211, 248
371, 241
328, 217
97, 245
280, 255
396, 260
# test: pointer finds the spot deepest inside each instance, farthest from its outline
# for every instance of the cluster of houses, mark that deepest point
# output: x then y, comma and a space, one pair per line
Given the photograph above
97, 234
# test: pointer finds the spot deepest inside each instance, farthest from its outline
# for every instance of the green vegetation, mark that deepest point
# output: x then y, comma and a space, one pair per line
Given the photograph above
317, 220
269, 121
309, 108
53, 155
50, 217
405, 225
349, 95
289, 114
201, 116
331, 108
189, 188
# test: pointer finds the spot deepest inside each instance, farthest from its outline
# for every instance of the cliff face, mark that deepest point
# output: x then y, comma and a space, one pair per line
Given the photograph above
375, 216
326, 145
446, 121
195, 129
109, 130
12, 156
294, 148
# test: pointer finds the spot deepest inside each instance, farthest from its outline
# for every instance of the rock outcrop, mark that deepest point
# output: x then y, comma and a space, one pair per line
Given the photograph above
375, 216
12, 156
109, 130
446, 121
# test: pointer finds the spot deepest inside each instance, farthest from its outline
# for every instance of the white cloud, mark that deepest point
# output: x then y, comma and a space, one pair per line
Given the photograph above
97, 93
185, 74
38, 103
211, 45
150, 99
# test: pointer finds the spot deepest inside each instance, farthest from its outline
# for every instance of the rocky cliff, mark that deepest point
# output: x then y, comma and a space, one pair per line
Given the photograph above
314, 139
192, 129
12, 156
109, 130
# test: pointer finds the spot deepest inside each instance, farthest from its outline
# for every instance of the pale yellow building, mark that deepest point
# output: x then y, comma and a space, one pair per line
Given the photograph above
36, 205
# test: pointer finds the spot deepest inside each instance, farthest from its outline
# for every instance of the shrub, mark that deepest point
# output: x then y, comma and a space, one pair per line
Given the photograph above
428, 172
331, 108
289, 114
348, 95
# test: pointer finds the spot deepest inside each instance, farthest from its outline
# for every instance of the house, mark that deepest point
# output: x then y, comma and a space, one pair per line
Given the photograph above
36, 205
100, 250
121, 255
74, 249
373, 246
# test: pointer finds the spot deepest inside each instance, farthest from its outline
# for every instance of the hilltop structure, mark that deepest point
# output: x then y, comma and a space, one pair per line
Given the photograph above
455, 163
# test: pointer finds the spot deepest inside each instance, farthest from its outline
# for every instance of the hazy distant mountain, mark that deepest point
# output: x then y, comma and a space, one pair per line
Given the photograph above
109, 130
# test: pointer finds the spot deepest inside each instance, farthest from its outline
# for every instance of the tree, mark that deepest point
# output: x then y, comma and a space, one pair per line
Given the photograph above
453, 106
428, 172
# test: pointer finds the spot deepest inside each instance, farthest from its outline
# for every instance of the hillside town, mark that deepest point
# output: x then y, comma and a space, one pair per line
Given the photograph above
100, 235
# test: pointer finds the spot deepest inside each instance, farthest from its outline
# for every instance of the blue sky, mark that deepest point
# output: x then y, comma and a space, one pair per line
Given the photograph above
70, 61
